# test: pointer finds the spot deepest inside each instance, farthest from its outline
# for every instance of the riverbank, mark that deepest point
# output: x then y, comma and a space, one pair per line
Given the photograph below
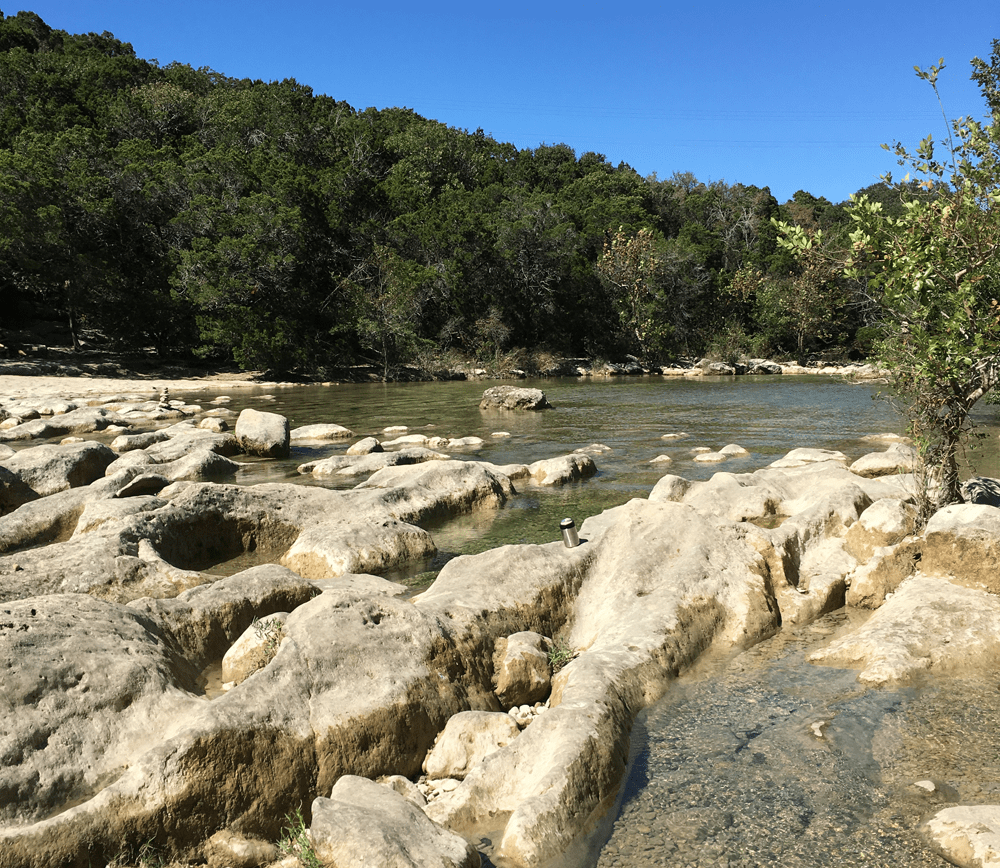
61, 378
362, 680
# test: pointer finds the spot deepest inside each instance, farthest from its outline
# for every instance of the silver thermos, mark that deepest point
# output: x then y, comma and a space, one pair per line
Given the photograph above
570, 537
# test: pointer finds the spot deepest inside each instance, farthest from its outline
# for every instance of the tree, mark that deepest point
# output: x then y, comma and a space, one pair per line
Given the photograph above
654, 282
936, 272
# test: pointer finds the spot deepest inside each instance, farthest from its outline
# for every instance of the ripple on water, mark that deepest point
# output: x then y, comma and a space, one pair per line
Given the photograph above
728, 770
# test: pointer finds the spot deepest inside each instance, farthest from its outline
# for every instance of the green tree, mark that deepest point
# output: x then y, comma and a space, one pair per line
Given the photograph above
936, 271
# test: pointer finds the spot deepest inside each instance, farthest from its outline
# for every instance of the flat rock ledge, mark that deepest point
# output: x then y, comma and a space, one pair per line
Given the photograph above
103, 751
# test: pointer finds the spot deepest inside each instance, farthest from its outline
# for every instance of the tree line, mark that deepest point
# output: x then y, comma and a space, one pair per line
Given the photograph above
176, 210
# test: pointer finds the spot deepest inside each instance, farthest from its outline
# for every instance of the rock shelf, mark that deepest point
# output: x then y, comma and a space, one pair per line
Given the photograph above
511, 683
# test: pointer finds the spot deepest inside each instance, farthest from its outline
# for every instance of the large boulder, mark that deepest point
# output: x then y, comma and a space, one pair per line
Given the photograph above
884, 523
264, 434
898, 458
88, 686
565, 468
963, 540
364, 823
48, 469
513, 398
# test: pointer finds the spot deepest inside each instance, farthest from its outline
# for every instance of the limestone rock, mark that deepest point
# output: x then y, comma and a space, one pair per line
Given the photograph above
513, 398
963, 540
48, 469
264, 434
81, 421
565, 468
365, 446
322, 431
364, 824
406, 788
929, 623
14, 491
966, 835
880, 575
88, 685
884, 523
803, 456
128, 442
465, 442
898, 458
364, 465
214, 424
522, 671
467, 739
205, 621
669, 488
734, 450
255, 648
227, 849
711, 457
648, 570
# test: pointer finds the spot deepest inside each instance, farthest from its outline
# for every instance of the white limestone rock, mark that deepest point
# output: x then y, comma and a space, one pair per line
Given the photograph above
966, 835
928, 624
522, 673
559, 471
467, 739
264, 434
364, 823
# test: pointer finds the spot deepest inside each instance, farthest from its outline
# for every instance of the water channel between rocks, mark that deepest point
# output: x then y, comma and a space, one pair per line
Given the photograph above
767, 760
758, 760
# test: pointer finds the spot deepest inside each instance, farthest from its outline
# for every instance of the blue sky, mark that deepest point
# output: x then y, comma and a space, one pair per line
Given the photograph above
793, 95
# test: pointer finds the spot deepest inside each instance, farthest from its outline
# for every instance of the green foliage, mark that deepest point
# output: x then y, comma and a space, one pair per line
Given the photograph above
269, 631
560, 654
935, 270
180, 210
295, 841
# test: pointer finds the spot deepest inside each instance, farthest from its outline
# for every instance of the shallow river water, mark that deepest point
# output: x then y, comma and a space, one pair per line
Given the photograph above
758, 760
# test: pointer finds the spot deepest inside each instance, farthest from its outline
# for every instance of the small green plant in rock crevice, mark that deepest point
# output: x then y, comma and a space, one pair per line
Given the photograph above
560, 653
270, 631
295, 841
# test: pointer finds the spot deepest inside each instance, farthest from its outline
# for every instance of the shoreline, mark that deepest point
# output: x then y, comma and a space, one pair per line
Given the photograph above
71, 382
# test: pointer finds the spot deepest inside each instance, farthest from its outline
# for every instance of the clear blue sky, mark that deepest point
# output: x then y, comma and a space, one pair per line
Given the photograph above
793, 95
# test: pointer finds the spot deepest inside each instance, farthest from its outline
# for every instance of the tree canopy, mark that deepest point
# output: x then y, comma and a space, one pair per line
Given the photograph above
931, 258
177, 210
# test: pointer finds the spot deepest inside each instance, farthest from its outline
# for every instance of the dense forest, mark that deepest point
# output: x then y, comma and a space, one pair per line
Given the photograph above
176, 211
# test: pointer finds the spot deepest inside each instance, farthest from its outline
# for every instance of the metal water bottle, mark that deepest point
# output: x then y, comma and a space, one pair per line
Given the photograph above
571, 538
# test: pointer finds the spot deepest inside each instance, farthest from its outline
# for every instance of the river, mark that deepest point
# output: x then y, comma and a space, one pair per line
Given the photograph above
758, 760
